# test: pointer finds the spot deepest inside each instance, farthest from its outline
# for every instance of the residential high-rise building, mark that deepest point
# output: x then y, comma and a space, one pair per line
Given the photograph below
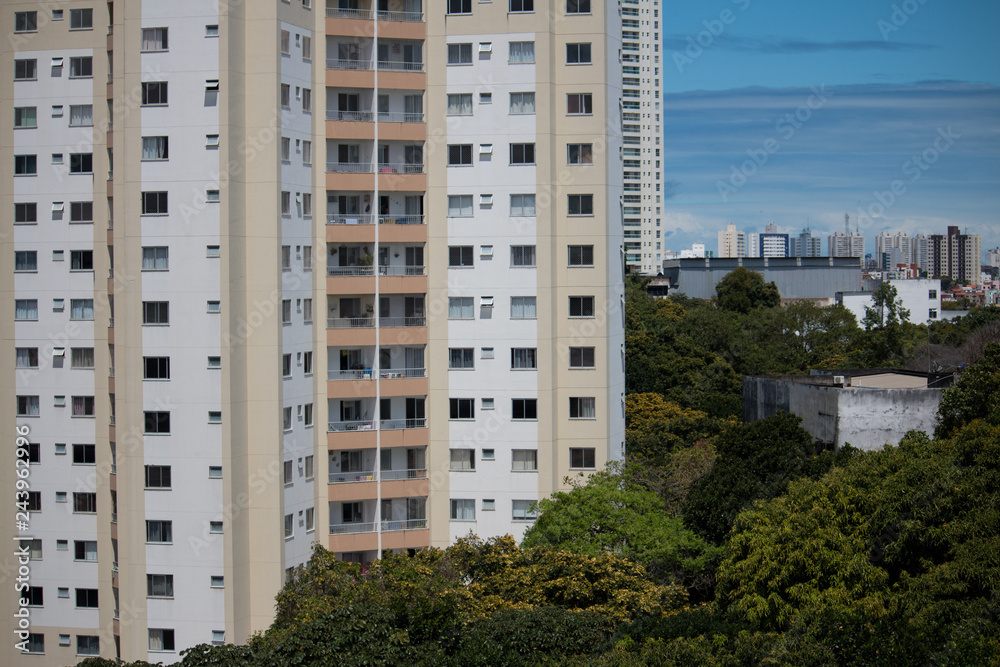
920, 249
175, 305
893, 250
993, 257
956, 255
841, 244
773, 243
807, 245
732, 242
642, 135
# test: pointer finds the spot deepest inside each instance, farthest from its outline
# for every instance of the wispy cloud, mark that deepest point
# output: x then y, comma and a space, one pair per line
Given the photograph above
780, 45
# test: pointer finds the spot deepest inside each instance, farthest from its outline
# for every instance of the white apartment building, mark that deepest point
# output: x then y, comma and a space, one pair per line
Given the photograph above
175, 305
642, 135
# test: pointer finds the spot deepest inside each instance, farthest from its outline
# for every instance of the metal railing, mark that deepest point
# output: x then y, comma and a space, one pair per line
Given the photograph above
351, 477
385, 374
396, 475
399, 373
351, 528
401, 424
408, 524
399, 66
384, 15
358, 270
400, 117
369, 527
349, 167
338, 13
409, 270
350, 322
353, 116
419, 321
349, 63
349, 219
401, 220
352, 374
400, 168
355, 425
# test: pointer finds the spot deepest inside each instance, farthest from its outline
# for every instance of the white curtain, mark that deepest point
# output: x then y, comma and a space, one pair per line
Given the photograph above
522, 52
460, 104
26, 309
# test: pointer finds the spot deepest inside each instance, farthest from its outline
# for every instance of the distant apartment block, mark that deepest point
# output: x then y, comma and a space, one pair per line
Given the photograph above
955, 255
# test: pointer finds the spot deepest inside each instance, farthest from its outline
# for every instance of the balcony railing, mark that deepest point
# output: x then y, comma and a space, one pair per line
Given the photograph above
353, 116
338, 13
350, 477
401, 424
408, 270
349, 63
401, 220
400, 16
399, 373
400, 168
396, 475
385, 374
351, 528
349, 219
350, 322
387, 526
400, 117
359, 270
349, 167
355, 425
416, 321
399, 66
408, 524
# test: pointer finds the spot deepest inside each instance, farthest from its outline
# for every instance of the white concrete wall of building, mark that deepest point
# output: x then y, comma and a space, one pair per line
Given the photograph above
921, 297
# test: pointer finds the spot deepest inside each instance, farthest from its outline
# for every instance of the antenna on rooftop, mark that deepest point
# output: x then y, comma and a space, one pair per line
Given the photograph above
847, 224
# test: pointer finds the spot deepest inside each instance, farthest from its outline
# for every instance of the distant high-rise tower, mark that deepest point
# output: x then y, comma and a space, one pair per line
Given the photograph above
807, 245
772, 243
732, 242
846, 245
956, 255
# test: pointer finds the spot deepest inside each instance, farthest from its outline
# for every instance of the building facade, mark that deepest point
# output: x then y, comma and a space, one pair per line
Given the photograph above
642, 136
955, 255
806, 245
174, 309
732, 242
840, 244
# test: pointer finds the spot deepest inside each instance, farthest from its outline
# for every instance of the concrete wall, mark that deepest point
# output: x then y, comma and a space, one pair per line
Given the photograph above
865, 418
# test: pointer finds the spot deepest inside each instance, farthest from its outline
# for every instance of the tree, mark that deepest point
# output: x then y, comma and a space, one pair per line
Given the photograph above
884, 338
655, 427
743, 291
976, 395
612, 514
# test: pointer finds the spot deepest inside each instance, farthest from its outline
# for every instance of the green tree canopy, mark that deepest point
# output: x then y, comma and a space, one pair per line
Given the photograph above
743, 291
976, 395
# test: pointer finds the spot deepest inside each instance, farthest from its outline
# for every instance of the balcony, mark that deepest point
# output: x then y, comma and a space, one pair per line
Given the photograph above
399, 20
369, 527
351, 323
352, 477
384, 475
355, 64
352, 116
355, 425
367, 374
351, 219
359, 270
401, 424
400, 66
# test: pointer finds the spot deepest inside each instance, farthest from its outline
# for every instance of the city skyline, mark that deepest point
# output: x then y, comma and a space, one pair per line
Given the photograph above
796, 115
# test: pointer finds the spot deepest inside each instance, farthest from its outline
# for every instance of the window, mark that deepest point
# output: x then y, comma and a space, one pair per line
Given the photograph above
84, 502
27, 406
583, 408
25, 260
462, 408
34, 501
35, 595
578, 54
580, 205
459, 154
522, 205
88, 645
307, 152
460, 308
156, 312
34, 548
522, 153
932, 313
522, 103
36, 640
454, 7
460, 255
154, 93
286, 365
217, 581
26, 309
154, 39
161, 532
156, 368
286, 149
463, 459
577, 6
160, 585
286, 311
580, 255
81, 260
286, 96
28, 21
310, 519
522, 255
85, 550
932, 294
81, 67
86, 598
156, 422
525, 409
307, 204
307, 310
460, 206
286, 203
460, 104
25, 213
579, 103
522, 308
460, 54
523, 358
581, 357
155, 258
581, 306
522, 5
307, 362
82, 358
487, 353
286, 418
81, 163
81, 211
579, 154
286, 43
25, 70
84, 455
25, 165
485, 98
461, 358
215, 472
289, 525
81, 115
81, 19
524, 460
307, 100
307, 49
524, 510
27, 357
157, 477
161, 640
25, 117
81, 309
154, 148
215, 526
463, 510
521, 52
154, 203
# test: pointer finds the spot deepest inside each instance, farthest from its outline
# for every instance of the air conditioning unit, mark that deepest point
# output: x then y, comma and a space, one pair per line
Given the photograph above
838, 380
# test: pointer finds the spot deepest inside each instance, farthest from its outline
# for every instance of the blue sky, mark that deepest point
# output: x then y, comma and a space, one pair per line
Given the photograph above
798, 112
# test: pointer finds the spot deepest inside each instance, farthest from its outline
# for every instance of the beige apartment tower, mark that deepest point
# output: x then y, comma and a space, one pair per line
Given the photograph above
284, 273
